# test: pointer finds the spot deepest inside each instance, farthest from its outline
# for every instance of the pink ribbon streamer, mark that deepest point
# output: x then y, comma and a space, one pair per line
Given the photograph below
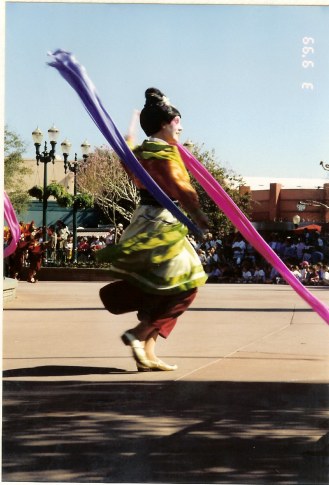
244, 226
15, 230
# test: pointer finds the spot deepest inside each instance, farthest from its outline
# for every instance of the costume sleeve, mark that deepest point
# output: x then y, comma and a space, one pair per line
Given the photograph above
171, 175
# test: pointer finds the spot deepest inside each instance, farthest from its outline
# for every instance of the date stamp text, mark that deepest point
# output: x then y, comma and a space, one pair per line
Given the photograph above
308, 63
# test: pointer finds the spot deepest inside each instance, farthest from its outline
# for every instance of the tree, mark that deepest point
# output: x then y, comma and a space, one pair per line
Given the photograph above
104, 177
15, 171
230, 183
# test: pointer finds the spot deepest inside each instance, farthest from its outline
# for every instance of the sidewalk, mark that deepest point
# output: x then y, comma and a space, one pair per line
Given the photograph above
248, 403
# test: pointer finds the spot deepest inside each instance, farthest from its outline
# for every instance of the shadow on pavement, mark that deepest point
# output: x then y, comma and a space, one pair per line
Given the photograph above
168, 432
61, 370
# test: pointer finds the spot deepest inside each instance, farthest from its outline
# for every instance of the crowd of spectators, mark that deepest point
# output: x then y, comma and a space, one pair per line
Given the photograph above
32, 251
231, 259
226, 259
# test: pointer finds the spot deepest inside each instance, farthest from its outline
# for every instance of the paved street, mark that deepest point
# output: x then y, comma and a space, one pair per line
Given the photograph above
248, 404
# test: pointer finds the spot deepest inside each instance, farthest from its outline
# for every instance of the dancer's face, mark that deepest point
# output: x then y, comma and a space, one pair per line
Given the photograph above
172, 130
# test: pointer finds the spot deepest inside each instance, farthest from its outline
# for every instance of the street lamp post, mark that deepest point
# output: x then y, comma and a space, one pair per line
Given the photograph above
74, 168
45, 157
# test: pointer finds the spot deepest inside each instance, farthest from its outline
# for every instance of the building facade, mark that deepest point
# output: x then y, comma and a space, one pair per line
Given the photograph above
278, 202
275, 201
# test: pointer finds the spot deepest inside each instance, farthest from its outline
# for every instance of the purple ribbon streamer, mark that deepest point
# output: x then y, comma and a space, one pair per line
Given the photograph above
77, 77
232, 211
15, 230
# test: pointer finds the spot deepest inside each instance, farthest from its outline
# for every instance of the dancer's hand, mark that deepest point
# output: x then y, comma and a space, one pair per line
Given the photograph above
131, 135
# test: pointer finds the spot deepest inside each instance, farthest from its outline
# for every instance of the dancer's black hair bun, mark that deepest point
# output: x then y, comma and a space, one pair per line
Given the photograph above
153, 96
157, 110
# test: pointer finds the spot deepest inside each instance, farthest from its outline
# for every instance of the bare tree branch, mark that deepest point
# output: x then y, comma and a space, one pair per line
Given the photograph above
104, 177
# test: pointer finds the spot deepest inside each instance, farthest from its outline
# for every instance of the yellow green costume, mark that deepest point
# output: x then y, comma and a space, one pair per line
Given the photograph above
153, 253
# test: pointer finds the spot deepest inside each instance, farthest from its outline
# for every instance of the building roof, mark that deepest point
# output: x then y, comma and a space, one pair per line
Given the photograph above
263, 183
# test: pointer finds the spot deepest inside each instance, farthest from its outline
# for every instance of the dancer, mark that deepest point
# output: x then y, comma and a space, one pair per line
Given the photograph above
159, 270
37, 249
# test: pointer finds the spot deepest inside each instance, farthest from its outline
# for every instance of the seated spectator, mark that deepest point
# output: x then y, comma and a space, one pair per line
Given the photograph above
192, 240
214, 274
314, 276
239, 248
305, 272
275, 243
296, 271
83, 249
207, 242
246, 274
95, 243
259, 275
212, 255
275, 276
227, 273
290, 250
324, 274
110, 237
250, 253
102, 243
202, 256
218, 241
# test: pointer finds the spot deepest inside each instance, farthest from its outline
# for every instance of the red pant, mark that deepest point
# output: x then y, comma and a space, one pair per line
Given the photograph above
35, 264
160, 311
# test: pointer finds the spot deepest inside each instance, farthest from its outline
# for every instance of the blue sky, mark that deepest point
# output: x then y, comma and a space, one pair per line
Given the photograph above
234, 72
